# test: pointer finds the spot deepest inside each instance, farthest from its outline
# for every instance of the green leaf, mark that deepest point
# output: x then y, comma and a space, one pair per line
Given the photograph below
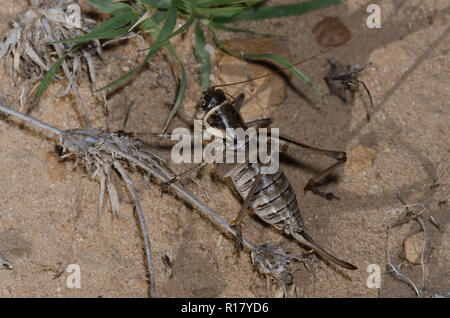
112, 27
160, 4
203, 57
181, 29
168, 26
184, 6
181, 90
270, 12
157, 17
162, 38
216, 3
269, 57
221, 26
111, 7
222, 12
165, 31
48, 77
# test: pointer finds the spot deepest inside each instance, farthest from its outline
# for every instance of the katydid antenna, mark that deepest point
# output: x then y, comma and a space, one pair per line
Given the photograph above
275, 72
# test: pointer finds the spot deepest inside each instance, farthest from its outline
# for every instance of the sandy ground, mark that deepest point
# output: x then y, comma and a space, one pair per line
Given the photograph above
48, 208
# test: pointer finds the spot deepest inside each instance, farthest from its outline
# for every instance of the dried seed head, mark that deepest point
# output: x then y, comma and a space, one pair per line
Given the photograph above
26, 50
99, 152
274, 262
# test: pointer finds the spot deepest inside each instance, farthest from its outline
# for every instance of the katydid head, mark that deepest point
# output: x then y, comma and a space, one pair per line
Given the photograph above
211, 98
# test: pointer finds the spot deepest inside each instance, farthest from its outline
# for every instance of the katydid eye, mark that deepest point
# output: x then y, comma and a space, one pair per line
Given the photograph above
202, 103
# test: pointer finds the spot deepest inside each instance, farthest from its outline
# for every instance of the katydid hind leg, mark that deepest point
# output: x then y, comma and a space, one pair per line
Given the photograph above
290, 144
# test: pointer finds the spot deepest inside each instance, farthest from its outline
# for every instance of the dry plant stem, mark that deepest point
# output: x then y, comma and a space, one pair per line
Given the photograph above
143, 225
101, 196
91, 68
419, 219
162, 175
32, 120
70, 76
435, 223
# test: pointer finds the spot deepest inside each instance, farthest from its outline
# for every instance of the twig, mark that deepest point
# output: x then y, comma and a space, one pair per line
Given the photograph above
435, 223
143, 225
32, 120
409, 215
419, 219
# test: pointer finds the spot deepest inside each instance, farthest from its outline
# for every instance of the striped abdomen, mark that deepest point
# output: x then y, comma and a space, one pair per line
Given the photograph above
274, 200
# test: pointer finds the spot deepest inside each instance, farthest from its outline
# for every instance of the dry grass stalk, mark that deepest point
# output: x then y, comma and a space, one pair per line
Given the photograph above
275, 263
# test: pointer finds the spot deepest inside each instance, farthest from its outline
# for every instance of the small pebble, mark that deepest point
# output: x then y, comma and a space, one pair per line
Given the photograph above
361, 157
331, 32
413, 247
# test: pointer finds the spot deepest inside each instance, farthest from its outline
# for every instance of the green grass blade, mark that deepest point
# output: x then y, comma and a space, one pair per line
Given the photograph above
202, 56
111, 7
270, 12
184, 6
158, 16
108, 34
48, 77
181, 29
166, 30
221, 26
181, 90
216, 3
162, 38
115, 26
153, 28
269, 57
160, 4
221, 12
